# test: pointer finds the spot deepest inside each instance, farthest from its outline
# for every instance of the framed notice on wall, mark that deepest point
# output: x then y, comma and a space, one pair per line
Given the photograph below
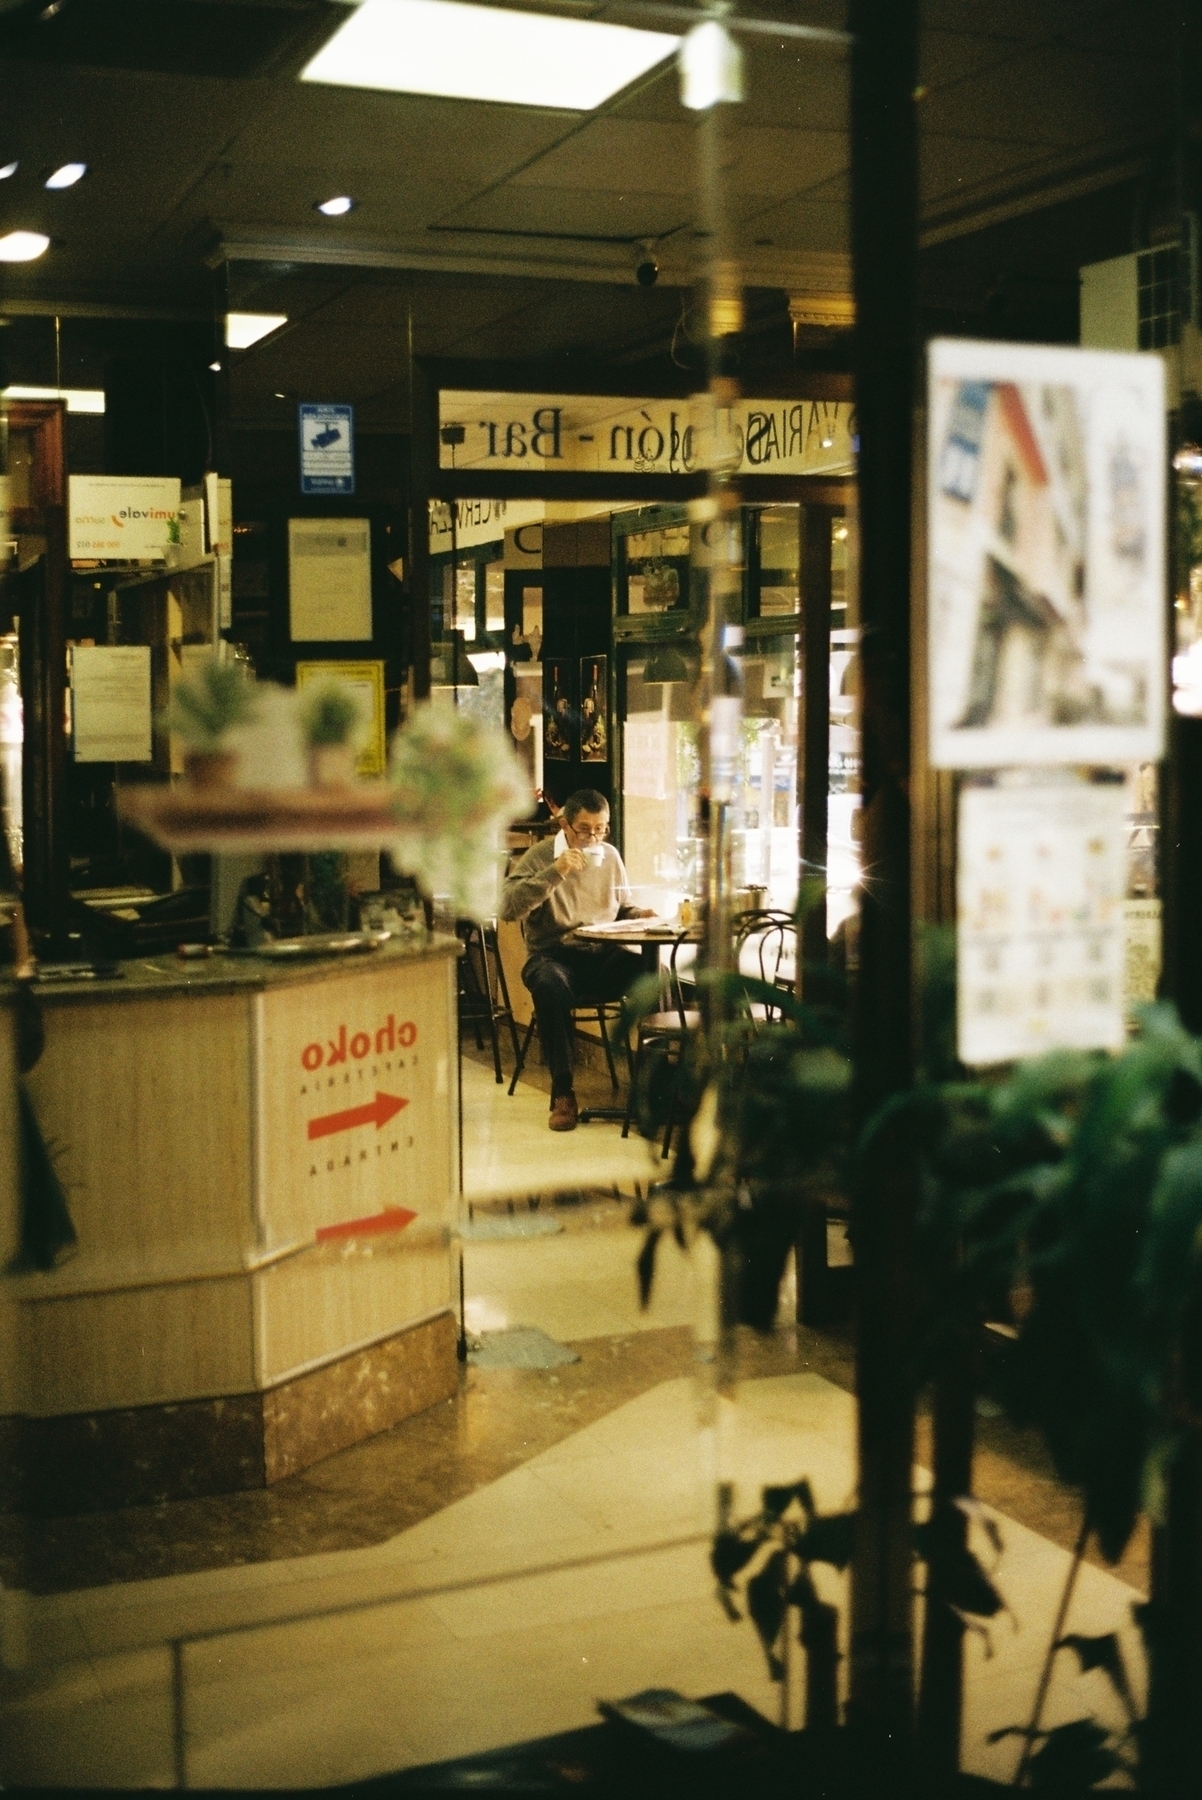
329, 580
367, 680
1046, 511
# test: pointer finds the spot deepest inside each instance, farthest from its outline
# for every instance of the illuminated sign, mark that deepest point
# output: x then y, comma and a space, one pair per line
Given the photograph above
598, 434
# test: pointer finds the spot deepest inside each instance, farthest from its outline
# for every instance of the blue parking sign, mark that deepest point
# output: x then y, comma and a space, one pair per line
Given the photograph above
327, 448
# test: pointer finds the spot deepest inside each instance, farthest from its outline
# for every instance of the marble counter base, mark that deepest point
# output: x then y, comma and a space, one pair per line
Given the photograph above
144, 1455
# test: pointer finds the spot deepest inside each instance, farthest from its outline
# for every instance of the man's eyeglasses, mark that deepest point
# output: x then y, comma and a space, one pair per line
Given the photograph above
594, 833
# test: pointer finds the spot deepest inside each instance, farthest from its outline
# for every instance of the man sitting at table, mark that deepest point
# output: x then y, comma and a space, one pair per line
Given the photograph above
573, 879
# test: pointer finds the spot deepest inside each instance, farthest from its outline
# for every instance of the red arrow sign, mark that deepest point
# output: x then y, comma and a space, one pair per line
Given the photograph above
393, 1218
377, 1112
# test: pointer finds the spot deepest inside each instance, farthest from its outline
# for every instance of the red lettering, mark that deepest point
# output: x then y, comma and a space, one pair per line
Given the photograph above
386, 1037
311, 1056
360, 1046
338, 1051
407, 1034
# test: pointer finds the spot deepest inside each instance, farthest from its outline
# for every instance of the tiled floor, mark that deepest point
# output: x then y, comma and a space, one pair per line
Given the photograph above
485, 1572
507, 1148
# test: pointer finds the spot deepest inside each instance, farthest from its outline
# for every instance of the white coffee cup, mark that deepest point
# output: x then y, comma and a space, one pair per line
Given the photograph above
594, 853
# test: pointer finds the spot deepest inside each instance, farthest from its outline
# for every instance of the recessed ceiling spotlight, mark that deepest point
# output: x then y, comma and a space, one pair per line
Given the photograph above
334, 209
278, 396
67, 175
9, 169
216, 367
23, 246
464, 52
242, 329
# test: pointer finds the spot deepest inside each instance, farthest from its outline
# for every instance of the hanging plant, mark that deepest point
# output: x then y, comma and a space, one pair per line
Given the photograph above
456, 784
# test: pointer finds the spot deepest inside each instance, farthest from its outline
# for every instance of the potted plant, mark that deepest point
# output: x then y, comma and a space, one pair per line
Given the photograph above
1064, 1197
332, 721
205, 707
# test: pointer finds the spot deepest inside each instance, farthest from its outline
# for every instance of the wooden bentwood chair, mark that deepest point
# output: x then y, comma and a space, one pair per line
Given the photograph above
663, 1033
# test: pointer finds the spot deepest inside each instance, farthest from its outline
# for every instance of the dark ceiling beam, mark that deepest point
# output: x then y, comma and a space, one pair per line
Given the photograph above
1042, 188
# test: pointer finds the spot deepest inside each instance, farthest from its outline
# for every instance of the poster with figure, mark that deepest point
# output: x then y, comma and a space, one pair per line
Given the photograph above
1041, 933
557, 713
1045, 497
594, 709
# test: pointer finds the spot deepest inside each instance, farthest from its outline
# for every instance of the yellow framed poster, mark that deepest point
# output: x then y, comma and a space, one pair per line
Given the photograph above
367, 679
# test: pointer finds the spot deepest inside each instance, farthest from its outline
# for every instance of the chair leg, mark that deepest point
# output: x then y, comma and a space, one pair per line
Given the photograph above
614, 1083
521, 1061
636, 1063
490, 1003
496, 1046
504, 1005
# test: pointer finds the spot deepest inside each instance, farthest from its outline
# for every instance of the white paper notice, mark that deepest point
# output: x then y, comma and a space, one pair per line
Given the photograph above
1041, 939
110, 703
329, 580
648, 745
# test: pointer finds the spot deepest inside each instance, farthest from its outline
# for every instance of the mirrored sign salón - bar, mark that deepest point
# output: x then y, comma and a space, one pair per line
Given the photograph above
576, 434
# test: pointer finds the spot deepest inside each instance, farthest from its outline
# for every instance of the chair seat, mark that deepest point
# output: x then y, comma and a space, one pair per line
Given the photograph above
662, 1022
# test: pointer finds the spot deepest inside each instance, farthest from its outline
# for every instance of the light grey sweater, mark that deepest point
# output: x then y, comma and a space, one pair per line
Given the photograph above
550, 905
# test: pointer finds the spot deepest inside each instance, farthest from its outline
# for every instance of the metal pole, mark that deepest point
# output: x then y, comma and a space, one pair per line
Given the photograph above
884, 211
179, 1735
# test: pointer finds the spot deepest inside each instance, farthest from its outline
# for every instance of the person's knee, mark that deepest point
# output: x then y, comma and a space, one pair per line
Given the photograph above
549, 981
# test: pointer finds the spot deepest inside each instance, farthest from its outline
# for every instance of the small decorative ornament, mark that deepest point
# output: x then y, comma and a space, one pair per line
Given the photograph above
661, 586
456, 784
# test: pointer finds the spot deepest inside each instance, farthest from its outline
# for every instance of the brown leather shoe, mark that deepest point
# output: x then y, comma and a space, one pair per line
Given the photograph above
563, 1113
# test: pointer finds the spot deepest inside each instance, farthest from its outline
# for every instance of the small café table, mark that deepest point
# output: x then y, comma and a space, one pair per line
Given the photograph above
648, 936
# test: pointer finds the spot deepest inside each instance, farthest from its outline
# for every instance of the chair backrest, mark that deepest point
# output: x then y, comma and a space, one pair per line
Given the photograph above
769, 949
675, 975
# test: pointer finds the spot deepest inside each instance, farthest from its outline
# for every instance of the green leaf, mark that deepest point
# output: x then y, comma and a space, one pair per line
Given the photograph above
1103, 1653
766, 1604
829, 1539
646, 1266
777, 1500
730, 1553
1072, 1760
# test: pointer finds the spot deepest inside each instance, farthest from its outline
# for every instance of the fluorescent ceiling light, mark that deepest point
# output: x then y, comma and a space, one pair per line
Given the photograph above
486, 53
9, 169
23, 246
334, 209
67, 175
79, 400
244, 329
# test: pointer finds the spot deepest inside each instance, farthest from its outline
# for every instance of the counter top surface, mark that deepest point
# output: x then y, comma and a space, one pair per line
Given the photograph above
144, 976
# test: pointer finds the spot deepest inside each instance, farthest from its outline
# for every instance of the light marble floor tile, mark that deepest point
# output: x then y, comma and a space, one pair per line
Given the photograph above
580, 1284
507, 1148
502, 1617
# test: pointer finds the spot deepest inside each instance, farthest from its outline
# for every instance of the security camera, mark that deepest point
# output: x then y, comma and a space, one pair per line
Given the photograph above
646, 269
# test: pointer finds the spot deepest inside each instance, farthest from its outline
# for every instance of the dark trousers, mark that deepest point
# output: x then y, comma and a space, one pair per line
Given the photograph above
561, 978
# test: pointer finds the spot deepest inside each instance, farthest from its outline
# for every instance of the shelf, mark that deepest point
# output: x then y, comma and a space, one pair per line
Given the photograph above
253, 820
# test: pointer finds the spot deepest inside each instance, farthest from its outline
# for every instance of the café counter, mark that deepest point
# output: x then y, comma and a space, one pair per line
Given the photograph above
261, 1162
